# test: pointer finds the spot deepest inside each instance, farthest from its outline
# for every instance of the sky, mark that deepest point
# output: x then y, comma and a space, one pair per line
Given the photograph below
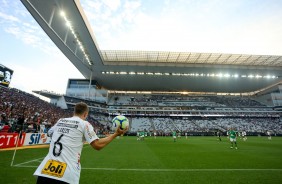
209, 26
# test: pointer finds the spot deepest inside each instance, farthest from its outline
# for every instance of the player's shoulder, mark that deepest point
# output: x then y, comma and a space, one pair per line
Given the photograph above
74, 120
84, 123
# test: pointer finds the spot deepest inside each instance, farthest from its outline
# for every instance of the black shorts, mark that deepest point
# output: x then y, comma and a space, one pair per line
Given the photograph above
44, 180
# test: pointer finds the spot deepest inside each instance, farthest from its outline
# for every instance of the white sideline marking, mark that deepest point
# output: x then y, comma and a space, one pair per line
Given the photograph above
167, 170
28, 162
38, 159
150, 170
180, 170
33, 166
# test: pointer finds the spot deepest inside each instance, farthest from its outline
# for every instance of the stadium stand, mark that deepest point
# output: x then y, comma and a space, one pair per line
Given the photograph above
159, 113
192, 101
23, 111
195, 114
166, 125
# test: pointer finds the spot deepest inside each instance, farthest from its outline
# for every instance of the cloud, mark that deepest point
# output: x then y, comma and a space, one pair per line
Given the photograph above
110, 18
42, 70
112, 4
131, 10
4, 3
9, 17
28, 36
190, 26
22, 27
50, 78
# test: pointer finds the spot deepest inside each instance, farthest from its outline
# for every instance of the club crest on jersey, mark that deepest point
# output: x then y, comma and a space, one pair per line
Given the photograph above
54, 168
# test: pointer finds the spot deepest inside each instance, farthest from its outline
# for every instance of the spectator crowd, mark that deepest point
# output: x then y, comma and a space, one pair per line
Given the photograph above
21, 111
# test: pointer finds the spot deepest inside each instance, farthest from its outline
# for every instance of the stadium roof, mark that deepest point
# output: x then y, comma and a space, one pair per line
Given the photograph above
145, 57
66, 24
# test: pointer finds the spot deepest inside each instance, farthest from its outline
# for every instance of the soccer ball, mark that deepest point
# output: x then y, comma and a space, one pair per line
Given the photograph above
120, 120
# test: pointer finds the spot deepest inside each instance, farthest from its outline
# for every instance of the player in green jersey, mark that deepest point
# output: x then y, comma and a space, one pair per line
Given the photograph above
174, 136
232, 136
142, 135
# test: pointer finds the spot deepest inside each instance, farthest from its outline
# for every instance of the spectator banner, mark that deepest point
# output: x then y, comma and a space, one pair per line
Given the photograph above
36, 138
9, 140
5, 75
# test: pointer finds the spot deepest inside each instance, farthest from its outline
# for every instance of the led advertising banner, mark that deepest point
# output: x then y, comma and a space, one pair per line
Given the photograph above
5, 75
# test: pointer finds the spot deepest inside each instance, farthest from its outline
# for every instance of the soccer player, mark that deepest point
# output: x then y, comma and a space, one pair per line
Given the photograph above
232, 136
218, 135
138, 135
269, 135
62, 163
174, 136
155, 134
142, 135
244, 135
179, 135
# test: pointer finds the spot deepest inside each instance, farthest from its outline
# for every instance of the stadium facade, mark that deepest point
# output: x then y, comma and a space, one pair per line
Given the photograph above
67, 26
155, 83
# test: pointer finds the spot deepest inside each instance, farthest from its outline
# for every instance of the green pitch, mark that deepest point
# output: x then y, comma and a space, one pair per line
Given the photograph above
192, 160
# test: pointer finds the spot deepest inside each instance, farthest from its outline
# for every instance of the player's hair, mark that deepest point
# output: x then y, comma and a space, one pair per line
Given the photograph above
80, 108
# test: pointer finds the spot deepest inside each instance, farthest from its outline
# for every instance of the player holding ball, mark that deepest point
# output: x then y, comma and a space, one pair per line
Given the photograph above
62, 163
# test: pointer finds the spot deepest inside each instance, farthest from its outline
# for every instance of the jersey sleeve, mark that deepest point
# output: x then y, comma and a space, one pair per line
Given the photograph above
89, 133
51, 131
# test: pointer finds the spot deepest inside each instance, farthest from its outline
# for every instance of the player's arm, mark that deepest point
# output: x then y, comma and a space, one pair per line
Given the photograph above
51, 130
98, 144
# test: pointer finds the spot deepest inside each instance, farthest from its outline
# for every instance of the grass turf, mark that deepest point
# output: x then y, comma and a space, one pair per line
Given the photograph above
192, 160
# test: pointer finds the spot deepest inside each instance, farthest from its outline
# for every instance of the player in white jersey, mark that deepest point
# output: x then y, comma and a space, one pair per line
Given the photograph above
62, 163
269, 135
244, 135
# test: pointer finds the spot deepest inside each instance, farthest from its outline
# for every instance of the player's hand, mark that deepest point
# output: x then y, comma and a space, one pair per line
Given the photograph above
121, 131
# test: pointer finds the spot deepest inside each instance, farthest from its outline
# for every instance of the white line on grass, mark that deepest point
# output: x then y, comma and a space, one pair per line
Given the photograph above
35, 160
39, 160
33, 166
180, 170
167, 170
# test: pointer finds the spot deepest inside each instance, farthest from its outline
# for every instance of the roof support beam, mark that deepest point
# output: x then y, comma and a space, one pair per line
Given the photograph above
226, 60
197, 58
188, 57
66, 36
177, 57
255, 60
261, 63
272, 63
208, 58
235, 60
167, 56
246, 60
52, 16
217, 58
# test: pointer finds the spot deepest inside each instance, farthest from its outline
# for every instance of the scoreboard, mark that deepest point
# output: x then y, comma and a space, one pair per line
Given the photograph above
5, 75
